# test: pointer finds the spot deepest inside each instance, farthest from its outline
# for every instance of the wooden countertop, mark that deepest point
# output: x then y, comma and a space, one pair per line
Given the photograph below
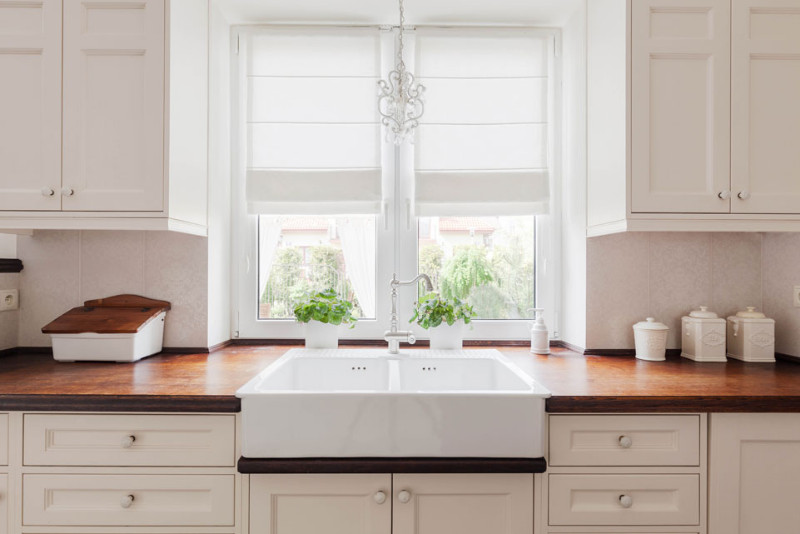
208, 382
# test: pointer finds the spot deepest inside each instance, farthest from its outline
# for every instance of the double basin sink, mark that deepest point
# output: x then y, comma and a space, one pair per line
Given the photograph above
368, 403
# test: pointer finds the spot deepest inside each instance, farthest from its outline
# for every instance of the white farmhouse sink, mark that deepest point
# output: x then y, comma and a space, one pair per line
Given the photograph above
367, 403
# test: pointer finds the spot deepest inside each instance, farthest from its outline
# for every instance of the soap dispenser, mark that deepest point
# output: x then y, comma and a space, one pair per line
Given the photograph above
540, 337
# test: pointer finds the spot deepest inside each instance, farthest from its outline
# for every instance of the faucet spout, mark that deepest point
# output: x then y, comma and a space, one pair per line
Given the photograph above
393, 336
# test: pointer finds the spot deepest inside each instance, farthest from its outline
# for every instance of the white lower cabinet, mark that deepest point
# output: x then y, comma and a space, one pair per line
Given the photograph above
3, 504
392, 504
754, 474
620, 473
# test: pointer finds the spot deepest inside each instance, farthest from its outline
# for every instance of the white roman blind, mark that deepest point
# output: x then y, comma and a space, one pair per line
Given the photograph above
312, 123
481, 147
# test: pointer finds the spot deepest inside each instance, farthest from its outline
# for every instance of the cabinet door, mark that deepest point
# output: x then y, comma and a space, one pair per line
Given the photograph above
754, 474
333, 504
765, 63
30, 105
463, 504
680, 144
113, 105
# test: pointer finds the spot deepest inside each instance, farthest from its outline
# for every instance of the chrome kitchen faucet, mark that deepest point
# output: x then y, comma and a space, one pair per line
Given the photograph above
394, 336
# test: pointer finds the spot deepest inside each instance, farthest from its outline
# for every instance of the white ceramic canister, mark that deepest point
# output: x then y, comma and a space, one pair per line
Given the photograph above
651, 340
703, 336
540, 336
751, 336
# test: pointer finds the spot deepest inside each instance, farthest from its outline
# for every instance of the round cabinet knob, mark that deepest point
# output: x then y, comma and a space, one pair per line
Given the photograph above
380, 497
724, 195
127, 441
626, 501
404, 496
126, 501
625, 442
744, 195
412, 339
67, 192
47, 192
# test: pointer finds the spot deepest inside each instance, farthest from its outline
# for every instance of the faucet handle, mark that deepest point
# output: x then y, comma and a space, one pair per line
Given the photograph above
411, 338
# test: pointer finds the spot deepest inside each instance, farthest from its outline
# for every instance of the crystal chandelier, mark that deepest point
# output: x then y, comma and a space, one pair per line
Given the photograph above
400, 97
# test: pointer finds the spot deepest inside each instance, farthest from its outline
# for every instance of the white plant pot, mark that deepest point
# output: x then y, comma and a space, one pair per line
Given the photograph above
446, 337
321, 335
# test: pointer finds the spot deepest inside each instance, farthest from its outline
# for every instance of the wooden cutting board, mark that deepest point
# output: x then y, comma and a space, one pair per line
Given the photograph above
121, 314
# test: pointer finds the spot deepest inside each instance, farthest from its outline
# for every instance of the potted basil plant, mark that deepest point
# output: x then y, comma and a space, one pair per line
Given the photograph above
444, 318
322, 314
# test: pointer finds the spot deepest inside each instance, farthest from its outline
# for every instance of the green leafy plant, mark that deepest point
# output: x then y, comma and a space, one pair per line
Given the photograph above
325, 307
432, 310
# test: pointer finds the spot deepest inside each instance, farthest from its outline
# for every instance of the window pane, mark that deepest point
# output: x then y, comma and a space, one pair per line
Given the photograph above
486, 261
302, 255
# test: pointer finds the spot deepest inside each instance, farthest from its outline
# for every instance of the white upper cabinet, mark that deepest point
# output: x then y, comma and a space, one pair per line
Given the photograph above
711, 137
114, 106
765, 111
104, 124
30, 105
680, 75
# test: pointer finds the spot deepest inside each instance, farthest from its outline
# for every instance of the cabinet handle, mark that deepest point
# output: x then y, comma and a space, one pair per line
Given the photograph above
724, 195
744, 195
380, 497
67, 192
47, 192
626, 501
625, 442
127, 441
126, 501
404, 496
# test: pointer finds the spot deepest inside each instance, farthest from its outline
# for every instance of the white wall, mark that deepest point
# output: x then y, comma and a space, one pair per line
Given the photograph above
781, 272
62, 269
665, 275
8, 246
219, 191
573, 189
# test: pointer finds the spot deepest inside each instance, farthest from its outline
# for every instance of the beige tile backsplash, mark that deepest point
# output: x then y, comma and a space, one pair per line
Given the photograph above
665, 275
64, 268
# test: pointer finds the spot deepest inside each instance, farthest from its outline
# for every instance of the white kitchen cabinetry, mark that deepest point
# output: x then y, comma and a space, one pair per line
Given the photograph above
754, 473
693, 120
626, 473
30, 105
765, 109
392, 504
132, 88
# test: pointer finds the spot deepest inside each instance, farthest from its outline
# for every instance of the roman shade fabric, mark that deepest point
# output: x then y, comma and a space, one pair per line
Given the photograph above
481, 148
313, 135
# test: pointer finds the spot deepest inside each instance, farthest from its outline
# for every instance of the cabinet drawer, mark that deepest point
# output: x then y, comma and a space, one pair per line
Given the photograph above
135, 500
129, 440
624, 440
624, 500
3, 439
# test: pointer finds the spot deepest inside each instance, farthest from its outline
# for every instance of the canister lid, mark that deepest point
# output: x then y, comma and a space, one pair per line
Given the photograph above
750, 313
703, 313
650, 324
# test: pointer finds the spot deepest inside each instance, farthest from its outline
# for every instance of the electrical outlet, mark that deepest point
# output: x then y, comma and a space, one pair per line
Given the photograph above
9, 299
796, 296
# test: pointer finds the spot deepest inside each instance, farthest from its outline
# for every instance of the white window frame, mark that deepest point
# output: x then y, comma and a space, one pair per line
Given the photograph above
395, 227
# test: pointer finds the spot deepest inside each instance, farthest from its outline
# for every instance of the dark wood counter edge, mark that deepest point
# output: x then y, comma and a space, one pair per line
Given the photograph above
121, 403
8, 265
695, 404
391, 465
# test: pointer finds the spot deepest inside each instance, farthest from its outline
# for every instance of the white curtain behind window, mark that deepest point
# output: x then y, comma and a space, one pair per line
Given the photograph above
269, 234
358, 247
